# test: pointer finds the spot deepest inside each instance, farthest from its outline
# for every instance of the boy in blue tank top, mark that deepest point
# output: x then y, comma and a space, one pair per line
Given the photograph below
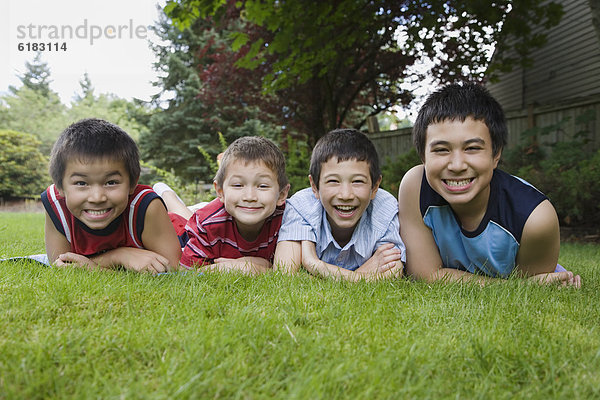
462, 218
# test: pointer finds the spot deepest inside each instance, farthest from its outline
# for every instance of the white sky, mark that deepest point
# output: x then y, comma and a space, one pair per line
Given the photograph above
119, 65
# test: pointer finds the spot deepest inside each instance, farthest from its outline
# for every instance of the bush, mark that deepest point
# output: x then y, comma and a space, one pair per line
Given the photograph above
567, 174
24, 170
393, 171
297, 164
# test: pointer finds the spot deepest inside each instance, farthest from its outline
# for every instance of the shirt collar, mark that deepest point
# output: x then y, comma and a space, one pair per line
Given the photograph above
361, 237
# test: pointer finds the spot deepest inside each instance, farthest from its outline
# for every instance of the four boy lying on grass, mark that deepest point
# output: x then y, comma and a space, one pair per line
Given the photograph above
460, 217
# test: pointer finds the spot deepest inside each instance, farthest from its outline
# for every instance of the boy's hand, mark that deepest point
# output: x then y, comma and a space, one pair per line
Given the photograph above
385, 260
564, 278
75, 260
134, 259
247, 265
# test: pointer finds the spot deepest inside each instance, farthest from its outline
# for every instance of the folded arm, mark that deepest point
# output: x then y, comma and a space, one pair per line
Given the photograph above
384, 264
246, 265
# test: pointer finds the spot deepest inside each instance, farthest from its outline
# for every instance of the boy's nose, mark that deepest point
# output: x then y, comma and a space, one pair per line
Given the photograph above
250, 194
97, 195
346, 191
457, 162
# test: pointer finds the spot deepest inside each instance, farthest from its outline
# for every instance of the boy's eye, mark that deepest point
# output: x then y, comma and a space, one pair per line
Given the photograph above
331, 181
80, 183
474, 148
440, 150
112, 182
358, 181
264, 186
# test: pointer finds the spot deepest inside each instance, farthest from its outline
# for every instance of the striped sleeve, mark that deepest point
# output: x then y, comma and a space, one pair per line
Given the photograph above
198, 250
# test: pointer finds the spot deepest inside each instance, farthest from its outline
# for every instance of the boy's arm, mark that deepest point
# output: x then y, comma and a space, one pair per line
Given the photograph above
288, 256
540, 245
161, 250
159, 234
246, 265
56, 243
315, 266
423, 259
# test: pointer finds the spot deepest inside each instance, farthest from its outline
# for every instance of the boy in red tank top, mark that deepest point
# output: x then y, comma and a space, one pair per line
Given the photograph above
97, 216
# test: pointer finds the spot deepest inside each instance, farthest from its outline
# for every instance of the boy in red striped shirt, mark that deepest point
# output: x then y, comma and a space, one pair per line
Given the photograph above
237, 230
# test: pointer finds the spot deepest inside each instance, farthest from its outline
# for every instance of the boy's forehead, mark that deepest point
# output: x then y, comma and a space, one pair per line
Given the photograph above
457, 127
350, 164
98, 162
237, 165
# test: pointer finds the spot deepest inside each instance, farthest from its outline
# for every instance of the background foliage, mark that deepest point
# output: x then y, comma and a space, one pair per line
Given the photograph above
24, 167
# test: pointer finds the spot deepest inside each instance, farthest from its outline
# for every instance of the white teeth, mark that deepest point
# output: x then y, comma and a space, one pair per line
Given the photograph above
462, 182
345, 208
97, 212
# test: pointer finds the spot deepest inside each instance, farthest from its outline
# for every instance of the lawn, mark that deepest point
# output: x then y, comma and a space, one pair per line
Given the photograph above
68, 333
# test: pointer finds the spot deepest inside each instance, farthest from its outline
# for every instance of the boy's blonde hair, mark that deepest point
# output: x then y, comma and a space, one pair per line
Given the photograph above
254, 148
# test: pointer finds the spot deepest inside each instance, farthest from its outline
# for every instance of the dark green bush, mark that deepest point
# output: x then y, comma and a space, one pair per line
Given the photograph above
23, 168
567, 172
393, 171
297, 164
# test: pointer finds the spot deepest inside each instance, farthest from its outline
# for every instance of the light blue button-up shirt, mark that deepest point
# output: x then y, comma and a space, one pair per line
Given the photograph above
305, 218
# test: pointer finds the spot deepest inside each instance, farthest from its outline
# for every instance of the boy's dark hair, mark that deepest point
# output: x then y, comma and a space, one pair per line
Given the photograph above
456, 101
254, 148
344, 144
94, 138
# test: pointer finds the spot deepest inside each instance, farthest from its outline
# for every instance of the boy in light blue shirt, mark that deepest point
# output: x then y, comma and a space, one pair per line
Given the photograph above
344, 226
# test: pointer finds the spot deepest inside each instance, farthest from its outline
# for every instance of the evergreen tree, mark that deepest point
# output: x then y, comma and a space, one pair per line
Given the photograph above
87, 90
189, 119
37, 76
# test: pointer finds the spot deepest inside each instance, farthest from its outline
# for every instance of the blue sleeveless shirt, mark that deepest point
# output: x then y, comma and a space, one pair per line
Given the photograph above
492, 248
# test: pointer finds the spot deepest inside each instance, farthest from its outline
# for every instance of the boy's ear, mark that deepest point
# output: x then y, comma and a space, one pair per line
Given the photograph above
313, 187
497, 159
283, 193
375, 187
219, 190
132, 188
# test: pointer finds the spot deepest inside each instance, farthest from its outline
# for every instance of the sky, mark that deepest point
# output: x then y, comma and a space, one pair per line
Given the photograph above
108, 39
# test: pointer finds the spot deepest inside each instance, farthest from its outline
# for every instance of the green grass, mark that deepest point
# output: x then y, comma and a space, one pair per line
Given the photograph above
68, 333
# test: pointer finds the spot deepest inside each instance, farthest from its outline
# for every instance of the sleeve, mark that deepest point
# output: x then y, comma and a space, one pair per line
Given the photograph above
197, 251
295, 227
392, 235
386, 222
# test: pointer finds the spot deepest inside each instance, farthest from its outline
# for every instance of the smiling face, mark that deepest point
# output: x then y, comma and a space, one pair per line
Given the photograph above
345, 190
96, 191
250, 194
459, 164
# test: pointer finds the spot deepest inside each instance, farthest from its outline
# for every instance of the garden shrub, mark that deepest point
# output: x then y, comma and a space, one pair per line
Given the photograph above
393, 171
24, 169
297, 164
567, 172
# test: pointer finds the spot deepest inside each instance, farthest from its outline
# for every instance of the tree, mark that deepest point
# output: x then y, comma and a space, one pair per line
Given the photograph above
334, 63
37, 76
87, 90
30, 111
24, 168
191, 117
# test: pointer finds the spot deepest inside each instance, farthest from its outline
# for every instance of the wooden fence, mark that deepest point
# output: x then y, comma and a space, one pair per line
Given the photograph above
391, 144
